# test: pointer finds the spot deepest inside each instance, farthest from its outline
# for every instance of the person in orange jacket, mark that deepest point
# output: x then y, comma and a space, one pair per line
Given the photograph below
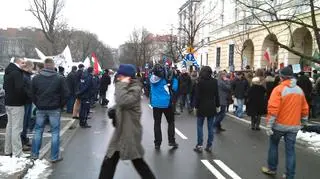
287, 111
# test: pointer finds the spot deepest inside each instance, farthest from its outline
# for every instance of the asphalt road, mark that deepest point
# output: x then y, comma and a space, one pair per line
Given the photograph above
238, 152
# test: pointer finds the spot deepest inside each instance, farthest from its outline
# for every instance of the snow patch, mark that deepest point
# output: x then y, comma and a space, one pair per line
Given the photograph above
40, 170
13, 165
311, 138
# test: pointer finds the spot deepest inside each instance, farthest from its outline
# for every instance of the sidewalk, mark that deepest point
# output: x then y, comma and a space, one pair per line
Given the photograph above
310, 140
16, 168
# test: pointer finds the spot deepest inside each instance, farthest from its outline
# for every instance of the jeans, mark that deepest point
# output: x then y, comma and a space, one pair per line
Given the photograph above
70, 104
109, 165
13, 130
157, 114
200, 122
84, 111
239, 111
220, 116
26, 123
185, 98
54, 119
290, 140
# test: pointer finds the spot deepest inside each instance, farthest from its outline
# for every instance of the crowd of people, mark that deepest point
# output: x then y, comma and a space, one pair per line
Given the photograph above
44, 92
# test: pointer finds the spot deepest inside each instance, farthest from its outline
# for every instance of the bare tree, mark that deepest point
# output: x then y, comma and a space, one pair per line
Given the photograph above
264, 13
195, 23
48, 14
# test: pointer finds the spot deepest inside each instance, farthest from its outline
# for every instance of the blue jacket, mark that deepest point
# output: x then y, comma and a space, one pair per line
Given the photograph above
160, 92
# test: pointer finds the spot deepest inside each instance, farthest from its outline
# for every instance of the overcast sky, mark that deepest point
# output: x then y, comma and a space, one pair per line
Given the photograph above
111, 20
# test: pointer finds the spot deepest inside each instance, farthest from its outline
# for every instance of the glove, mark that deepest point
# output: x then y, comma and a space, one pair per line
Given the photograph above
269, 131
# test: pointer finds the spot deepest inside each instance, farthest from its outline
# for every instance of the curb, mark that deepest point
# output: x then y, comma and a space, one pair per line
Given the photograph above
301, 143
72, 124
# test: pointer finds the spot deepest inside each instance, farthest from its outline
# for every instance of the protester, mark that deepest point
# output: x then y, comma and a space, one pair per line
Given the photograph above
95, 89
185, 88
76, 107
50, 93
72, 84
240, 88
85, 94
126, 141
305, 84
287, 109
28, 106
15, 100
61, 71
224, 88
270, 85
161, 101
256, 102
3, 114
105, 81
207, 100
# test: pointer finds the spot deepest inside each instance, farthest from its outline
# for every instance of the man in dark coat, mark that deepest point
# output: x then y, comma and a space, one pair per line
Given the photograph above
104, 83
49, 94
72, 84
85, 94
224, 93
207, 100
185, 88
240, 88
15, 99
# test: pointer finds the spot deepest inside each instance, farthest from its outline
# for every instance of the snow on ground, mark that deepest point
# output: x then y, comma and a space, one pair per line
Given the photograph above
40, 170
13, 165
310, 138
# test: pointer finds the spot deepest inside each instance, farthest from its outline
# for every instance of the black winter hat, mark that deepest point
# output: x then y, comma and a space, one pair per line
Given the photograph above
286, 73
127, 70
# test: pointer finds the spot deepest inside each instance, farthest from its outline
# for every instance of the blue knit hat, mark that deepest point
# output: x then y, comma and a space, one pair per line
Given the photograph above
127, 70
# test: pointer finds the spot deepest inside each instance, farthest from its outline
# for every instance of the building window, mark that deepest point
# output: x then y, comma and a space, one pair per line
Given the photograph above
231, 55
218, 57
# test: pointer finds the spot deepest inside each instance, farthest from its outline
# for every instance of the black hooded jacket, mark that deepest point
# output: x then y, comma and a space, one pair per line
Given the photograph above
14, 86
49, 90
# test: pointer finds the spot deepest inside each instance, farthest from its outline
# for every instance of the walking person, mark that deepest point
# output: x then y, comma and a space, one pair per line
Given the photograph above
207, 102
256, 102
15, 99
126, 140
50, 93
185, 88
77, 103
287, 111
161, 101
72, 84
26, 146
224, 88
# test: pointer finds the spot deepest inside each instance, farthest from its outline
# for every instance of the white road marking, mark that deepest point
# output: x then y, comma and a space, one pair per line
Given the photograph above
227, 169
213, 170
243, 120
180, 134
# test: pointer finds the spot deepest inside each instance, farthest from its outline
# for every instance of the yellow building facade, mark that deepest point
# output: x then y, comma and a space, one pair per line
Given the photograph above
253, 43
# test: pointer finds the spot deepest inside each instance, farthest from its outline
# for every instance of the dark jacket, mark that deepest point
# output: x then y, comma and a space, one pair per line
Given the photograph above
105, 82
305, 84
185, 84
240, 88
79, 75
207, 97
14, 86
27, 86
2, 105
49, 90
72, 82
96, 83
86, 90
270, 85
256, 100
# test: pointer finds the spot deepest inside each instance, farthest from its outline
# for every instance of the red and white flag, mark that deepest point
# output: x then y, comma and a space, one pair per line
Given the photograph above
95, 64
266, 55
